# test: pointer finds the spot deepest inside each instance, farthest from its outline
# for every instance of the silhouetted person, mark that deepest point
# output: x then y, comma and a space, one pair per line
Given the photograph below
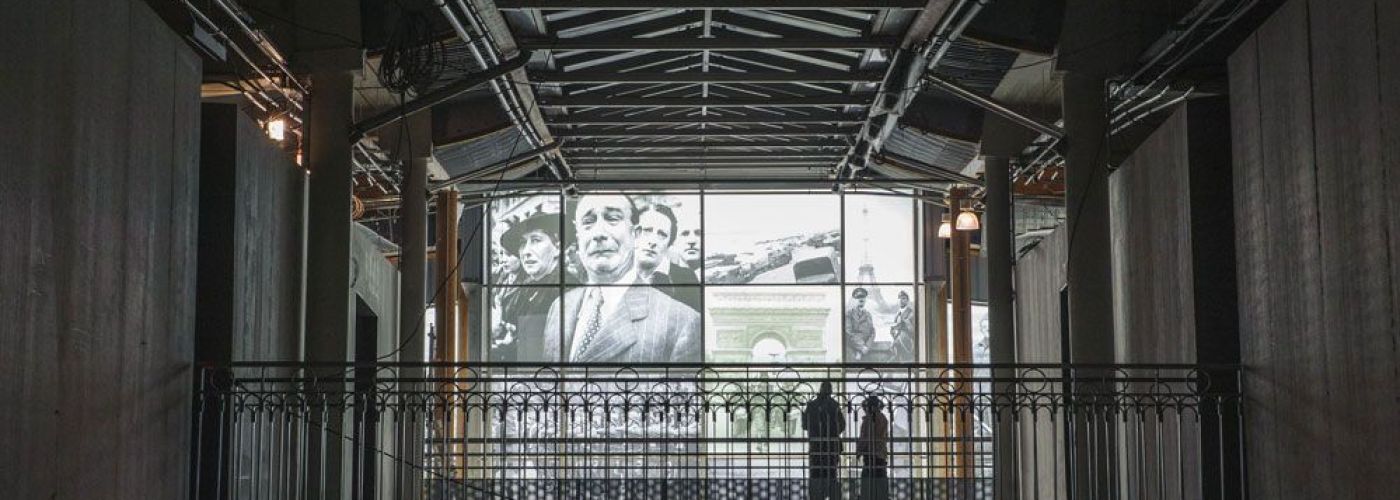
824, 425
873, 448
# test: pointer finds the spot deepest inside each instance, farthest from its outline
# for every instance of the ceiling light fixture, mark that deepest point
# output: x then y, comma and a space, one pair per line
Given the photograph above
967, 221
277, 129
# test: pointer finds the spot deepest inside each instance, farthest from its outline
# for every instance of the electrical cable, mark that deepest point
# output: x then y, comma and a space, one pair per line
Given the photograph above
353, 43
412, 57
418, 325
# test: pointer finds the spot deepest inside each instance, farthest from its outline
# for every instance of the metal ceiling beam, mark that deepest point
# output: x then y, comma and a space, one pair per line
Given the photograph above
722, 43
712, 132
716, 156
701, 77
815, 183
708, 4
686, 120
707, 145
596, 101
709, 165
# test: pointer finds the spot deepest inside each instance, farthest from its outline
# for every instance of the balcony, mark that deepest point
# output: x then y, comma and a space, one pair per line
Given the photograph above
530, 431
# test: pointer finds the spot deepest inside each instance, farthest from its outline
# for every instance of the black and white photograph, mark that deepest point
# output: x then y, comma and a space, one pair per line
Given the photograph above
525, 244
773, 324
772, 239
635, 306
880, 324
518, 323
526, 266
665, 243
879, 239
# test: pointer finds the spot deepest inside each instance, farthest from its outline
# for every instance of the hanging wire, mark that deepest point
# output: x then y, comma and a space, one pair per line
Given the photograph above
412, 58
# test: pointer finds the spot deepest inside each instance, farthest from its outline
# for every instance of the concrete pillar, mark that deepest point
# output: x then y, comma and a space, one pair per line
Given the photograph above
413, 146
997, 241
328, 267
1088, 275
1089, 271
328, 309
415, 149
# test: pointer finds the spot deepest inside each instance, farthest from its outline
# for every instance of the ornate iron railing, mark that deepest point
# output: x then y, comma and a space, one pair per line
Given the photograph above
286, 430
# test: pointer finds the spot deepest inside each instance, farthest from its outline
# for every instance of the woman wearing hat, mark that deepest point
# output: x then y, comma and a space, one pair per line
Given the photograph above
519, 332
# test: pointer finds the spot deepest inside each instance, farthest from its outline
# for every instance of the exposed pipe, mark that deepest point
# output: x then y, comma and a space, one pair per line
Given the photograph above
1152, 111
495, 168
1178, 41
219, 33
262, 42
929, 58
425, 101
509, 101
992, 105
301, 287
1234, 16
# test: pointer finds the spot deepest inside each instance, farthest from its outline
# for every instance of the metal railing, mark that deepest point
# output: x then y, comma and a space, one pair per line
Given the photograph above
287, 430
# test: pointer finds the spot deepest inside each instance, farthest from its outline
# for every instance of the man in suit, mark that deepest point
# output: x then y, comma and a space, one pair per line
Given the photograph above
686, 246
656, 230
621, 323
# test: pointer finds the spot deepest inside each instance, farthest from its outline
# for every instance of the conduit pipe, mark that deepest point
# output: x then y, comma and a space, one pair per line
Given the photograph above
927, 60
425, 101
992, 105
509, 102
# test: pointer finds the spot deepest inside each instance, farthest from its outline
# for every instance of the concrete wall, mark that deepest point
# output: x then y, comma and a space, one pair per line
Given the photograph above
99, 155
375, 280
1315, 97
1172, 234
1172, 241
250, 242
1040, 274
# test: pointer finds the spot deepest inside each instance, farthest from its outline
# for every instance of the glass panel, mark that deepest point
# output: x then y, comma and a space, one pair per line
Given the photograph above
630, 324
772, 324
880, 324
525, 240
772, 239
879, 239
519, 317
887, 393
628, 238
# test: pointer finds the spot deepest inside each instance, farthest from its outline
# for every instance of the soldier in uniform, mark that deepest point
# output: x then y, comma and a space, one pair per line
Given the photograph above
860, 327
903, 330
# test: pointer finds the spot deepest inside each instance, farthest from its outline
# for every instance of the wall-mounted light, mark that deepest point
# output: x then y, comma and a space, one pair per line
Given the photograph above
945, 229
967, 221
277, 129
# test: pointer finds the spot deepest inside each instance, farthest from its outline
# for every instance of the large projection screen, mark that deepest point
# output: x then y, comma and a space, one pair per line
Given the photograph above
657, 277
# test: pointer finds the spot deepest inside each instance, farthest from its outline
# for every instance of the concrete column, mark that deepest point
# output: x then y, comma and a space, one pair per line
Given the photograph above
328, 225
1089, 270
328, 309
1089, 278
415, 147
997, 241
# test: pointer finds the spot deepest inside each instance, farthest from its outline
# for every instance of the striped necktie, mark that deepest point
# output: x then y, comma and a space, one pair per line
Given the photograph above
594, 321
